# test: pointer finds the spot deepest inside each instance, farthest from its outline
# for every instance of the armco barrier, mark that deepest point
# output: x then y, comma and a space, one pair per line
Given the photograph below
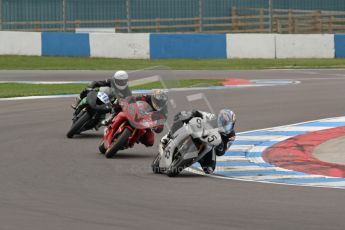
20, 43
305, 46
250, 45
339, 42
65, 44
187, 45
134, 46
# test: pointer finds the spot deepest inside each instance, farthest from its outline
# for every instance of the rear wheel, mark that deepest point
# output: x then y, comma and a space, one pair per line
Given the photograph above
78, 125
155, 164
118, 143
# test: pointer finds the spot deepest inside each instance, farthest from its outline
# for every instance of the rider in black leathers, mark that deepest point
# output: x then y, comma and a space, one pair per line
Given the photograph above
118, 85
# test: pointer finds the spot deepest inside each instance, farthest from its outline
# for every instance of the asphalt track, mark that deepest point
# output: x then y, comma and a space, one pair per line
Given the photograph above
49, 181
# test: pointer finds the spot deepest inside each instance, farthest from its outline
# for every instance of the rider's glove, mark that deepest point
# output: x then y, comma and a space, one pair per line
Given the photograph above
220, 149
108, 108
116, 104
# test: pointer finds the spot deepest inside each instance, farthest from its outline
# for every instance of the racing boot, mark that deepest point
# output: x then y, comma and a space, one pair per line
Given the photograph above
76, 103
208, 170
207, 163
107, 121
165, 140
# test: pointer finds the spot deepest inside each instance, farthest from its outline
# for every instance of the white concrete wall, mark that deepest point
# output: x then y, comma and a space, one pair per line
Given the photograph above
305, 46
250, 45
130, 46
137, 46
20, 43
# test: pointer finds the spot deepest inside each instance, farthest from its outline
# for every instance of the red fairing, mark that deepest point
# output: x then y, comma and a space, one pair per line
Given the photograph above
115, 127
136, 116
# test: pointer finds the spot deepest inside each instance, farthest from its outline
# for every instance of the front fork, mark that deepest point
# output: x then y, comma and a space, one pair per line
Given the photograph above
110, 132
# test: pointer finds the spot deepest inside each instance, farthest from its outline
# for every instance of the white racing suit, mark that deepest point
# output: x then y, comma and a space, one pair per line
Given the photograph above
208, 162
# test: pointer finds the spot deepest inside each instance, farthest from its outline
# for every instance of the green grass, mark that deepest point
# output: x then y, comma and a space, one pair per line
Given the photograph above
22, 89
73, 63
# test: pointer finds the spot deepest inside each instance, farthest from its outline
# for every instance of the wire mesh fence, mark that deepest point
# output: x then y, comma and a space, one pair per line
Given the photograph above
207, 16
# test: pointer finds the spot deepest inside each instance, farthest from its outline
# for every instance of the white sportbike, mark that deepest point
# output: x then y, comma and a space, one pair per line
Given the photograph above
188, 145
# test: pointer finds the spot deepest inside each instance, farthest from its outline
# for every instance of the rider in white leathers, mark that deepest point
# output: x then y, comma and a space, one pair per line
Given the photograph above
226, 120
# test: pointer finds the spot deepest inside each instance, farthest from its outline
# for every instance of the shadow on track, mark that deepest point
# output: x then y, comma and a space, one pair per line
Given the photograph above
88, 136
121, 156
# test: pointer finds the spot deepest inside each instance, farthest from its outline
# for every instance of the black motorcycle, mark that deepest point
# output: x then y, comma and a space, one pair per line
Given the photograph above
91, 110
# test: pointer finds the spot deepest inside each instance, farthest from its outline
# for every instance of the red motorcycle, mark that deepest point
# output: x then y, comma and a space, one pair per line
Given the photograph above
127, 127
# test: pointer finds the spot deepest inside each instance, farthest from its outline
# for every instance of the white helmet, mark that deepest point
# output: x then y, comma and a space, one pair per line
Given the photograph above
226, 121
121, 79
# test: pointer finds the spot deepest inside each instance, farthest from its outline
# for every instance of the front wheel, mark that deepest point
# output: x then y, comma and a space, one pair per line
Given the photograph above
118, 143
102, 148
176, 166
155, 165
78, 125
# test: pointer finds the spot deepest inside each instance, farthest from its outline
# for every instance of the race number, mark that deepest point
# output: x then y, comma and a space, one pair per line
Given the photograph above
167, 153
212, 138
103, 97
199, 123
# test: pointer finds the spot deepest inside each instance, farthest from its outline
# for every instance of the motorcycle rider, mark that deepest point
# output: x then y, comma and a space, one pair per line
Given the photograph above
226, 120
118, 85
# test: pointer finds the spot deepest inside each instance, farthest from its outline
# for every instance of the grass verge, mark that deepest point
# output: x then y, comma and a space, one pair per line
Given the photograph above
75, 63
22, 89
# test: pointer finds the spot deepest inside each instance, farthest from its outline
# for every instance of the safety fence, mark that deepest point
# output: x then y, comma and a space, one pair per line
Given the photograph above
167, 16
146, 45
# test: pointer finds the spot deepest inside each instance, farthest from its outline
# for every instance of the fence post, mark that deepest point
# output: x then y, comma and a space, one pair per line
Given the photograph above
234, 19
201, 15
158, 24
128, 9
0, 14
77, 24
270, 15
262, 20
294, 25
317, 21
117, 25
320, 20
330, 24
64, 12
37, 26
278, 26
290, 22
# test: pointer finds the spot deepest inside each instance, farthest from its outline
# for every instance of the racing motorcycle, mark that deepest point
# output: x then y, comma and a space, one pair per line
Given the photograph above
90, 112
188, 145
128, 126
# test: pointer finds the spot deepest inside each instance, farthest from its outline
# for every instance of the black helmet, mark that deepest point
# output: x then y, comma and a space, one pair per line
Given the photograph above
159, 99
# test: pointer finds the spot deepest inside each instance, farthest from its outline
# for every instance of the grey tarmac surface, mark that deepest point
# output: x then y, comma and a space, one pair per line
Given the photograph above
49, 181
331, 151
